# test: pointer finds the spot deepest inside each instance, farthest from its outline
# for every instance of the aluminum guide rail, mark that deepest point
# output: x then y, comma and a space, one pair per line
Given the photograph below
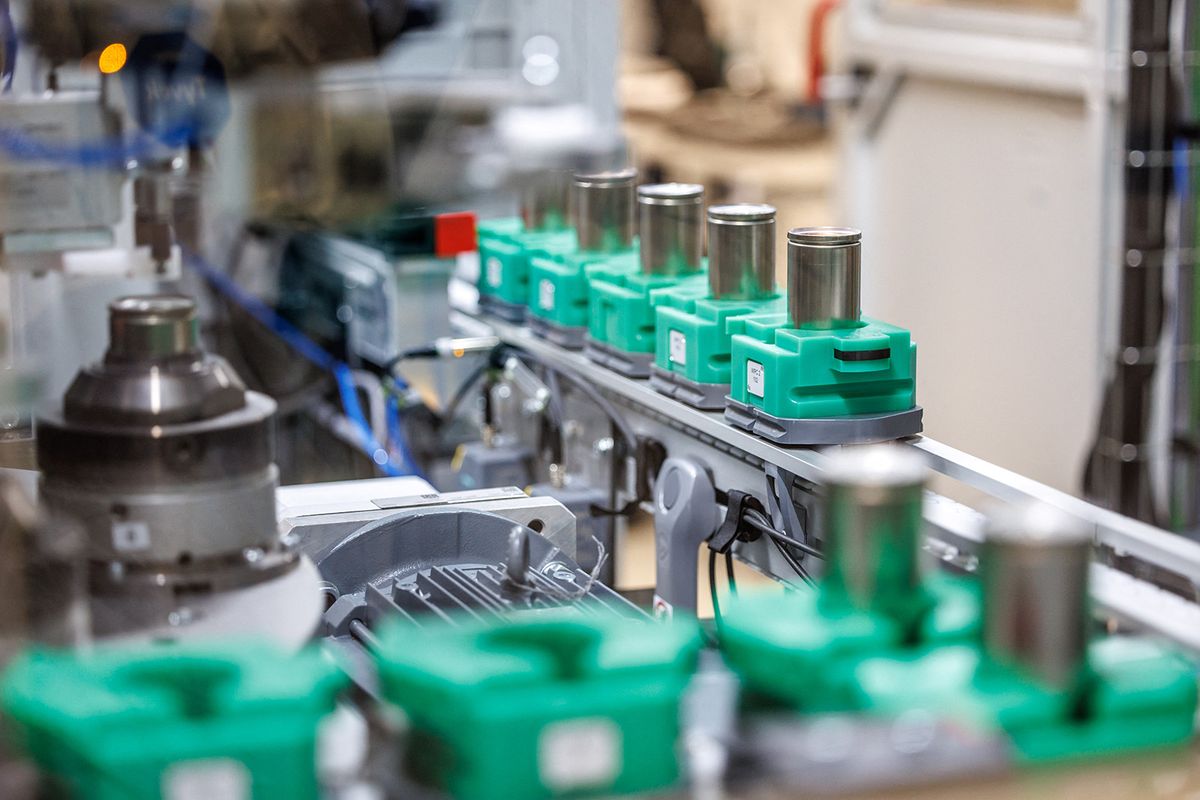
737, 458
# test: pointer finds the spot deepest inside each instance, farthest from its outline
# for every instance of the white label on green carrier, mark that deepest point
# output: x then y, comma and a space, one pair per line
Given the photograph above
494, 272
546, 294
756, 379
677, 348
579, 754
206, 780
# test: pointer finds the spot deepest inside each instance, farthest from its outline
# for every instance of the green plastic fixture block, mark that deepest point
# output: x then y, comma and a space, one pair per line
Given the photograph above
504, 251
562, 705
1136, 695
559, 283
238, 722
801, 648
621, 304
692, 332
800, 373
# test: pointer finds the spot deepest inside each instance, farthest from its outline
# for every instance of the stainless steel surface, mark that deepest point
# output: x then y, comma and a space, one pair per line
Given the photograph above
741, 251
544, 200
153, 371
167, 462
670, 228
873, 501
824, 285
1034, 570
603, 210
954, 531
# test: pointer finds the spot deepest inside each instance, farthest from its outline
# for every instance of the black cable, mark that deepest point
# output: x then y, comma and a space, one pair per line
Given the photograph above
627, 510
729, 573
712, 587
793, 563
762, 525
448, 413
424, 351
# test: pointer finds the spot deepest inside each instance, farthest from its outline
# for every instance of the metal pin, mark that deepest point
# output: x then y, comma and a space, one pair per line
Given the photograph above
741, 251
1034, 569
874, 495
670, 217
603, 210
824, 277
544, 200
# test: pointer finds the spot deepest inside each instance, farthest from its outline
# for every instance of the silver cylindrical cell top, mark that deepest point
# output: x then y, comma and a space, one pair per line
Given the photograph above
545, 200
152, 327
874, 495
824, 266
1034, 570
671, 228
741, 251
603, 210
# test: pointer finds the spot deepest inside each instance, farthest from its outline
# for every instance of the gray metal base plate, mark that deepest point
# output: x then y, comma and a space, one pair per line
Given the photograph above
705, 396
858, 429
631, 365
561, 335
503, 309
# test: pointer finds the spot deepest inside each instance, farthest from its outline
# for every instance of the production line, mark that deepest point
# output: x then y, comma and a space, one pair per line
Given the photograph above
285, 538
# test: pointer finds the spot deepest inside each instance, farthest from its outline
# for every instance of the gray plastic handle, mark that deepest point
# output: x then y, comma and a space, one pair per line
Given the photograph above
685, 515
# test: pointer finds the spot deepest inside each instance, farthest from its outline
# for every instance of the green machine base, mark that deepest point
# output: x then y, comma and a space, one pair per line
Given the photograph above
174, 721
866, 372
562, 705
505, 248
621, 318
1135, 695
559, 286
801, 649
692, 344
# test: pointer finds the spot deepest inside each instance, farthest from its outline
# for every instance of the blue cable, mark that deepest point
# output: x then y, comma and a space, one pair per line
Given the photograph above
1181, 168
353, 410
317, 355
98, 154
397, 438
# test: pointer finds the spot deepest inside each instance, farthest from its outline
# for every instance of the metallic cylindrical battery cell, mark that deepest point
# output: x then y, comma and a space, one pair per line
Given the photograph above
824, 285
873, 524
603, 210
1034, 569
671, 228
544, 200
741, 251
159, 326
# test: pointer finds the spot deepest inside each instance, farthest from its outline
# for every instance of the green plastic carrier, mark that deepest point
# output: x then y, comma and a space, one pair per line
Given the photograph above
504, 251
235, 722
693, 338
800, 373
559, 283
1136, 695
562, 705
